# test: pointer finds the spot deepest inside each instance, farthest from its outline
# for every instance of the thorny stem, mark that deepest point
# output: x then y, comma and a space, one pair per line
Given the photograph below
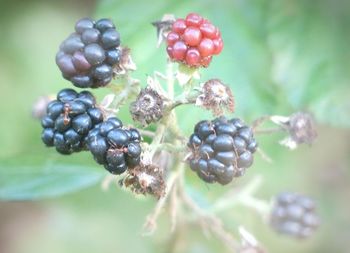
170, 79
269, 130
183, 100
157, 139
173, 208
146, 133
209, 222
130, 87
151, 220
259, 121
170, 147
261, 206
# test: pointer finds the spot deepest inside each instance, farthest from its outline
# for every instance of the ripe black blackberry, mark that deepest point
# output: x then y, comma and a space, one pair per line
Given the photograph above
69, 120
115, 147
294, 215
221, 149
88, 56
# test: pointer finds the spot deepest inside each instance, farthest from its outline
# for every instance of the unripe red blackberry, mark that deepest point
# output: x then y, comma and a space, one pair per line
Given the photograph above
221, 149
193, 41
294, 215
87, 57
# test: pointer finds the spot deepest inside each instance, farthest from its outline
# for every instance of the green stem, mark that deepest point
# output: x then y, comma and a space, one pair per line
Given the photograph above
157, 139
170, 147
261, 206
243, 197
130, 87
269, 130
170, 79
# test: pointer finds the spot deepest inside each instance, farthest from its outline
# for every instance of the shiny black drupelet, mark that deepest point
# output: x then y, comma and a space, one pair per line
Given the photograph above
221, 149
115, 147
69, 119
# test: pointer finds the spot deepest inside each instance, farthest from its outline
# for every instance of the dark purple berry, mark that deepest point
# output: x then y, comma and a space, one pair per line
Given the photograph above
294, 215
69, 120
221, 149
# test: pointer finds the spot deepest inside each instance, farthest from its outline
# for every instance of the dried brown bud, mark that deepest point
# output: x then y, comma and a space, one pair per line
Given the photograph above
145, 179
148, 107
39, 106
216, 97
302, 128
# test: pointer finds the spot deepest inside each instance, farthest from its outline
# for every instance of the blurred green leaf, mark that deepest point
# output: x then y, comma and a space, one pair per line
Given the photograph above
279, 56
21, 182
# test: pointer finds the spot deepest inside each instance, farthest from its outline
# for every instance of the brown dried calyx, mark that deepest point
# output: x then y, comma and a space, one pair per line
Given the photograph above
126, 64
145, 179
302, 128
216, 97
148, 107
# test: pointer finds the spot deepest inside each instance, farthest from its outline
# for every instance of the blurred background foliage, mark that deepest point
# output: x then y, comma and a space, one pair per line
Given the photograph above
279, 57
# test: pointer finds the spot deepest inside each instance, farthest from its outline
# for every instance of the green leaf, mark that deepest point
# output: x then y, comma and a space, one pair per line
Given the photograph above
333, 108
46, 181
279, 56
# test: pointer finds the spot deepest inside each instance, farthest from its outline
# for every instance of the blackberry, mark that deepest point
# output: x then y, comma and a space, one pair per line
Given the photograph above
221, 149
193, 41
114, 146
69, 119
294, 215
89, 55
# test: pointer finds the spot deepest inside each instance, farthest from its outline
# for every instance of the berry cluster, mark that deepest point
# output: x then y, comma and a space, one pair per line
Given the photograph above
115, 147
294, 215
87, 57
69, 120
221, 149
193, 41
